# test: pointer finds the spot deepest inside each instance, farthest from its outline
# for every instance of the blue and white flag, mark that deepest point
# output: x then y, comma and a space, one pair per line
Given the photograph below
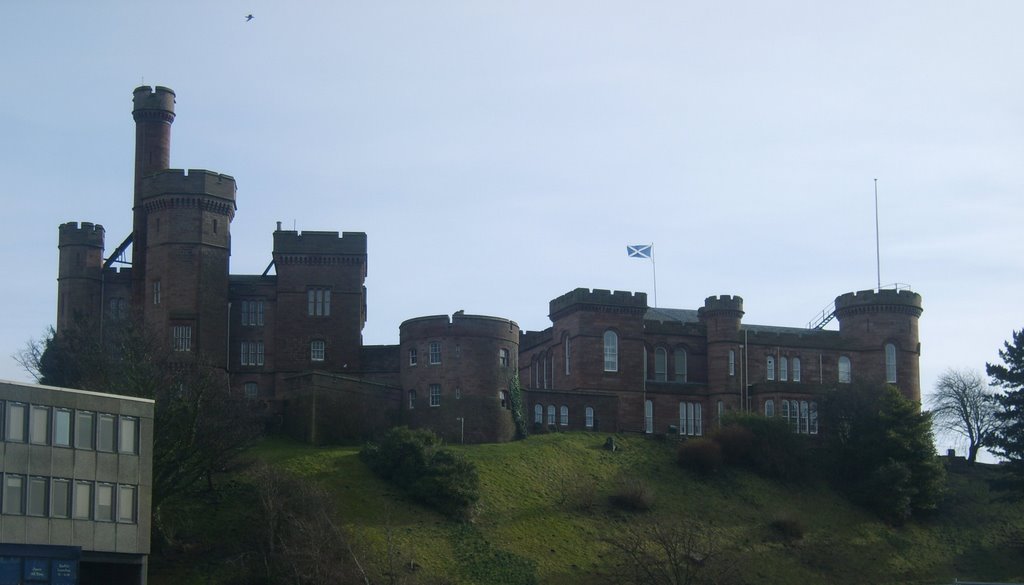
639, 250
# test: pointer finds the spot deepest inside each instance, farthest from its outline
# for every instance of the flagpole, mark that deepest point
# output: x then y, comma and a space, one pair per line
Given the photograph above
878, 250
654, 271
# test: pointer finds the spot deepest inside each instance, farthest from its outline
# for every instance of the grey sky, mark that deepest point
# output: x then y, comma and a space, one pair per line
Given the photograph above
501, 154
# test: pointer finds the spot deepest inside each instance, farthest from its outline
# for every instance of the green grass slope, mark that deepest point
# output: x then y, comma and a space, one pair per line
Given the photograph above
530, 527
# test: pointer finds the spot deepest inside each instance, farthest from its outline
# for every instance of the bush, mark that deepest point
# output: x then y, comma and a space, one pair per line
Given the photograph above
633, 495
700, 455
788, 529
737, 443
772, 448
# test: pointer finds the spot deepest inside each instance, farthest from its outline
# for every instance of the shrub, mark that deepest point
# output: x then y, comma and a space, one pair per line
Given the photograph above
700, 455
788, 529
737, 443
634, 495
774, 450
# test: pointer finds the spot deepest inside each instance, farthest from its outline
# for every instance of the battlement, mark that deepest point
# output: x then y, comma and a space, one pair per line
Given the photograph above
884, 300
86, 234
189, 182
148, 101
724, 303
312, 242
599, 297
460, 324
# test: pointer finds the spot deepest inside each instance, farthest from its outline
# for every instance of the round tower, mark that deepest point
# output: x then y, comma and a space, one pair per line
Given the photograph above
153, 111
721, 317
79, 274
879, 330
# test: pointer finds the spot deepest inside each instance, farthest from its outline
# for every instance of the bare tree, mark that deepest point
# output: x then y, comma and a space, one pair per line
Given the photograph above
964, 405
661, 553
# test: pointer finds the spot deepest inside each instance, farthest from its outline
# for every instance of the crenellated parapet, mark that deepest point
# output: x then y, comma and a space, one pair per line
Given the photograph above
903, 302
724, 305
459, 325
598, 300
315, 247
193, 188
85, 234
153, 104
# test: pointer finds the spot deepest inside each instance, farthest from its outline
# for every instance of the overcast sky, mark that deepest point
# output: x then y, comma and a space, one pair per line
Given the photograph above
499, 154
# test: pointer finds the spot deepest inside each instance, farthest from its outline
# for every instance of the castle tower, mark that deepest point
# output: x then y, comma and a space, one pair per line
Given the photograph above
153, 112
880, 330
721, 317
79, 275
187, 221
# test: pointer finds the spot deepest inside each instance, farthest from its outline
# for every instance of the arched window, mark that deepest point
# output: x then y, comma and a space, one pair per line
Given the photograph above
568, 352
769, 368
814, 418
785, 410
611, 351
844, 369
660, 365
796, 369
538, 414
794, 415
589, 421
783, 369
412, 399
563, 416
769, 408
648, 416
890, 363
804, 417
680, 364
551, 414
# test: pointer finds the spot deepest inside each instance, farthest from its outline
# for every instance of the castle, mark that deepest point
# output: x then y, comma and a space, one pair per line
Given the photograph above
293, 337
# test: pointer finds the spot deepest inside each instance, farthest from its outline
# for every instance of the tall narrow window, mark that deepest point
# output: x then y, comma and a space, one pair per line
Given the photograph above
796, 369
660, 365
563, 415
251, 390
732, 362
680, 359
62, 427
252, 353
104, 502
412, 356
105, 433
60, 498
318, 302
14, 494
83, 500
804, 417
435, 352
16, 415
252, 313
84, 430
39, 425
589, 417
769, 368
814, 418
769, 408
412, 399
503, 357
156, 292
126, 503
567, 350
316, 350
890, 363
721, 411
785, 410
182, 337
611, 351
783, 369
690, 419
435, 395
648, 416
538, 413
127, 436
844, 370
551, 414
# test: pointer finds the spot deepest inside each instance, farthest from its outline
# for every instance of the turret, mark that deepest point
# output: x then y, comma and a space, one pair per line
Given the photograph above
880, 328
721, 316
79, 275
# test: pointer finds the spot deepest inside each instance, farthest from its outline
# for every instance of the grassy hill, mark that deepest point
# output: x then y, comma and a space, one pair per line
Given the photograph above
534, 524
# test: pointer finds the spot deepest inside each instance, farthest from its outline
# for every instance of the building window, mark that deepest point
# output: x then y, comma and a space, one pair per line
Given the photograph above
804, 417
60, 498
611, 351
83, 500
563, 416
251, 390
785, 410
62, 427
545, 361
118, 309
503, 357
503, 398
796, 369
769, 408
126, 504
844, 369
318, 302
588, 420
783, 369
732, 362
551, 414
38, 498
83, 429
104, 502
770, 368
435, 352
567, 350
690, 419
538, 413
316, 350
128, 442
252, 313
182, 337
648, 416
458, 393
14, 494
680, 358
105, 433
412, 356
252, 353
156, 292
721, 411
16, 414
660, 364
39, 425
814, 418
890, 363
458, 350
435, 395
412, 399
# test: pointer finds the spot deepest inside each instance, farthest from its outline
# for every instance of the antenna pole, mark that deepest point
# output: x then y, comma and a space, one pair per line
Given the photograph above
878, 252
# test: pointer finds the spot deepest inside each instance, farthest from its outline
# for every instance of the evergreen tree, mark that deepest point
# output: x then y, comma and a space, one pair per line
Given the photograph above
1008, 440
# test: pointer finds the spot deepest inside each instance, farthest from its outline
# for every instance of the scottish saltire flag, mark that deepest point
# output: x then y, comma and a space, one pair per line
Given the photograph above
639, 250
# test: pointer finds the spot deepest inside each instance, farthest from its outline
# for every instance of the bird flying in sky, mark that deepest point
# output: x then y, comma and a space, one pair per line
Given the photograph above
249, 17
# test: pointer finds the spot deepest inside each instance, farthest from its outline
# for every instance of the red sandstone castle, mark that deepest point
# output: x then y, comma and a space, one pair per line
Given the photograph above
609, 361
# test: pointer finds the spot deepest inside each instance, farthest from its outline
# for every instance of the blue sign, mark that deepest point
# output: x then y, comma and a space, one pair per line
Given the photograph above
10, 570
65, 572
37, 570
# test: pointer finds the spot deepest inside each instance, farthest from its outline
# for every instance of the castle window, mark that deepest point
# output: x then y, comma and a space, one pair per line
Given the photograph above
503, 357
251, 390
648, 417
318, 301
732, 362
538, 413
769, 367
458, 393
551, 414
794, 415
796, 369
563, 416
804, 417
783, 369
566, 349
435, 395
890, 363
412, 356
611, 351
844, 370
252, 353
252, 313
544, 362
785, 410
14, 494
412, 399
814, 418
660, 365
156, 292
215, 226
117, 308
721, 411
690, 416
769, 408
182, 337
589, 417
503, 398
316, 350
680, 358
435, 352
